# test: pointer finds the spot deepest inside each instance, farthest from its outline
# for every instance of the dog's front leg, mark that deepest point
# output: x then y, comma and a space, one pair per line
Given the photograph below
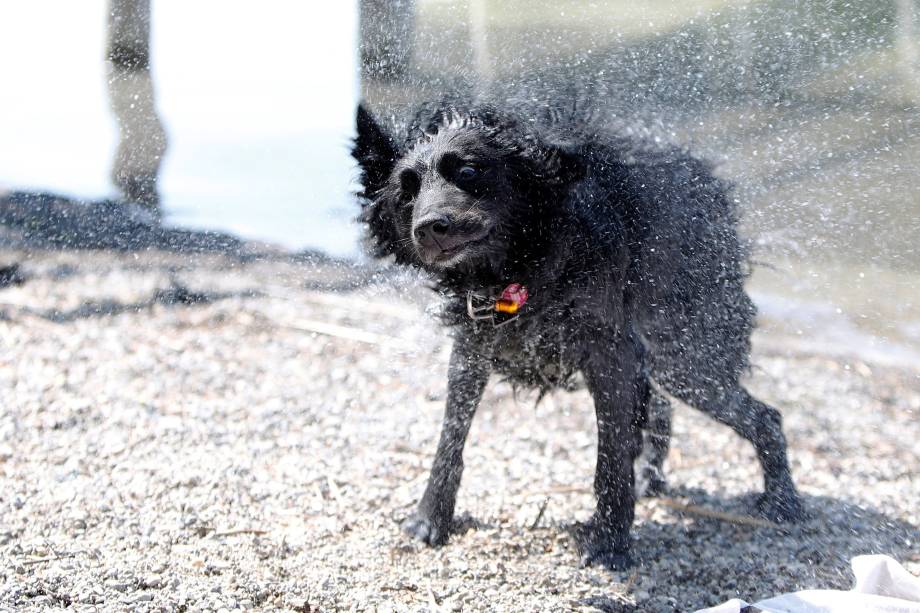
613, 374
466, 379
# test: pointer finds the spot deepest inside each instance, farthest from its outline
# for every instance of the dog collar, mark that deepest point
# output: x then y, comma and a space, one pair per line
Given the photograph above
501, 309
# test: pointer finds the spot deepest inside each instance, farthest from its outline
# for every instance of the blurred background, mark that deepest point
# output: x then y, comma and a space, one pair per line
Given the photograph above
256, 99
810, 107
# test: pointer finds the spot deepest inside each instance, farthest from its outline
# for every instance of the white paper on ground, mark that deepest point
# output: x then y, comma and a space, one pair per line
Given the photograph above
882, 586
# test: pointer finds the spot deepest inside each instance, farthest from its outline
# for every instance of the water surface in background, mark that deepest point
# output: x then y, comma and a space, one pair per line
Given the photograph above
257, 98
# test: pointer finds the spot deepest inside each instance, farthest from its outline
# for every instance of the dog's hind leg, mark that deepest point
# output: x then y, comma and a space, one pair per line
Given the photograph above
466, 379
656, 439
699, 358
760, 424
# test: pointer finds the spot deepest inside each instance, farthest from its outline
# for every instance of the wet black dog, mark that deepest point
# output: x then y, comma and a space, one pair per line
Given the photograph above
563, 248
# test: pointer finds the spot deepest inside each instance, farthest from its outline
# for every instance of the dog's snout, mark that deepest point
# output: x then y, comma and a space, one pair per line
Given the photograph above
429, 231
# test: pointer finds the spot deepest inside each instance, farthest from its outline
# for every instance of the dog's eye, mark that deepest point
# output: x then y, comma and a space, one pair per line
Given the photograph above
466, 173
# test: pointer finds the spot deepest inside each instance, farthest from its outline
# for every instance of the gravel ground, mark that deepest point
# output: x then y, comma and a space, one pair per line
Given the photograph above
214, 434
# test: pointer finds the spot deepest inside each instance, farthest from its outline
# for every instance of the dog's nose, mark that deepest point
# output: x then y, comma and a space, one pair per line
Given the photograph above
429, 231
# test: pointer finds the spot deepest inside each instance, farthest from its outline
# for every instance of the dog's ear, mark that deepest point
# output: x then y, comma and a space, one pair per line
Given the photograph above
376, 155
374, 151
556, 166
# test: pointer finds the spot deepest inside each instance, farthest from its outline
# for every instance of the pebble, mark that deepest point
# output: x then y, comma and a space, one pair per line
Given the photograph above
145, 597
119, 586
152, 581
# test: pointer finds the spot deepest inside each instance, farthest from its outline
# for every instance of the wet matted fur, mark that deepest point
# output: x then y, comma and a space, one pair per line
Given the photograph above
635, 273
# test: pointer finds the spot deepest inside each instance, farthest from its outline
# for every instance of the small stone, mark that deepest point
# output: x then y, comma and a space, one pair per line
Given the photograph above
78, 524
301, 605
118, 586
145, 597
152, 581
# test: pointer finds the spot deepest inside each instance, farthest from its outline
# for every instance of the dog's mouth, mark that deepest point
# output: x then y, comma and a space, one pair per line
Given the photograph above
452, 251
460, 250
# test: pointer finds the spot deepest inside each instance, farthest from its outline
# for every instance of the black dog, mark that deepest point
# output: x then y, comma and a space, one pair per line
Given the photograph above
561, 247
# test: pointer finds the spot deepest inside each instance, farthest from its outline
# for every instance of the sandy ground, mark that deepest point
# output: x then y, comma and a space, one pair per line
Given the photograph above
222, 434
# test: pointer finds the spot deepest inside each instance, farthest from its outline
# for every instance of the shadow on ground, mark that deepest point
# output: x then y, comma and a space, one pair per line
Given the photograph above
725, 556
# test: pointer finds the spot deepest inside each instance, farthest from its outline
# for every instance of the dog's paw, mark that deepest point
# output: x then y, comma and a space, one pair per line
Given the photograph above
611, 560
784, 508
426, 530
597, 548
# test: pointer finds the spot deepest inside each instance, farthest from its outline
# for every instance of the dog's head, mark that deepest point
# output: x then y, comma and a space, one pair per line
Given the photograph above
462, 191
